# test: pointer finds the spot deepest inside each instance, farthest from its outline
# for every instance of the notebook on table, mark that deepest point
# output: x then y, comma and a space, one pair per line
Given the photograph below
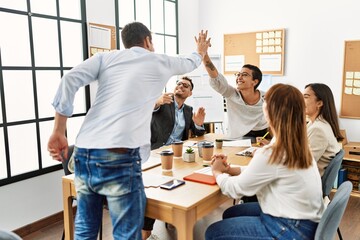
150, 163
203, 175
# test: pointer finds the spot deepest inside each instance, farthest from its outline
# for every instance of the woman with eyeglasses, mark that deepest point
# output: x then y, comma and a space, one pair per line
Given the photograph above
283, 175
244, 102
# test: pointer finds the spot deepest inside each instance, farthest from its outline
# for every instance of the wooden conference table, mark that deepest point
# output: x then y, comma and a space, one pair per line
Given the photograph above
182, 206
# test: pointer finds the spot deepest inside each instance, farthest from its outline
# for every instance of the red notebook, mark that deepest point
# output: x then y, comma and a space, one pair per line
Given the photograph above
201, 178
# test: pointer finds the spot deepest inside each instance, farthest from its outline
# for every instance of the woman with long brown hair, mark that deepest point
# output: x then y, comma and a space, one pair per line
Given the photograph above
282, 174
323, 126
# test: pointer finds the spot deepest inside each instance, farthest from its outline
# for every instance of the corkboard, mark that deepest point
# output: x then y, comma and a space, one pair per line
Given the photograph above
102, 38
351, 81
265, 49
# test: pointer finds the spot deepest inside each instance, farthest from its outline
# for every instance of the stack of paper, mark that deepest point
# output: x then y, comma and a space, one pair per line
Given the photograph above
237, 143
154, 180
249, 152
150, 163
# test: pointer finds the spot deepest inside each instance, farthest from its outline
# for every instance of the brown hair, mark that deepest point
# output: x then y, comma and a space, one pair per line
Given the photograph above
286, 113
327, 111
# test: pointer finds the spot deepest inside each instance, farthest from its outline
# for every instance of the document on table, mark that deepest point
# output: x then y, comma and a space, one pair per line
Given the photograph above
237, 143
150, 163
247, 152
154, 180
208, 171
205, 170
190, 143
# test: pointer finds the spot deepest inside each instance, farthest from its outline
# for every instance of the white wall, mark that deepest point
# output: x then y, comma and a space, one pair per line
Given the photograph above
28, 201
315, 35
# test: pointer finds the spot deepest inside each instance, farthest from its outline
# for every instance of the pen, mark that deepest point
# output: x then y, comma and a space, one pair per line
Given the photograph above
263, 137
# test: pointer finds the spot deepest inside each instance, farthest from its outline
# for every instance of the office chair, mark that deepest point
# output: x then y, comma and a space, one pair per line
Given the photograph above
331, 218
7, 235
328, 179
65, 164
331, 171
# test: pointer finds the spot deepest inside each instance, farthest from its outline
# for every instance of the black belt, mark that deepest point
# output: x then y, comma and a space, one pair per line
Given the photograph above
119, 150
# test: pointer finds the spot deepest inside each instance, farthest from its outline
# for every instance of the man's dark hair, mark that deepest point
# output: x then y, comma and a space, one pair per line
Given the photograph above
189, 79
133, 34
256, 73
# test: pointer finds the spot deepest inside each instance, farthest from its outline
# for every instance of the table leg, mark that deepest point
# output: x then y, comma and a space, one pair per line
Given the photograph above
68, 211
184, 221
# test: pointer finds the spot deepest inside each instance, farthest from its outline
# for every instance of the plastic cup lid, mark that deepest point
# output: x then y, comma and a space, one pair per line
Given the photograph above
166, 153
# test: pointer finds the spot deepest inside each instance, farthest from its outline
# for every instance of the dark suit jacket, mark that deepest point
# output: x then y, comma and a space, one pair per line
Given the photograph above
163, 121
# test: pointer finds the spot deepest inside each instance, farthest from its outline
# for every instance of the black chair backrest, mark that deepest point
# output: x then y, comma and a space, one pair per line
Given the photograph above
331, 171
65, 163
332, 216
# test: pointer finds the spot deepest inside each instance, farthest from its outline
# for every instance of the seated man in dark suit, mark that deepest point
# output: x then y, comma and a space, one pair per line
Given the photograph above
171, 121
172, 118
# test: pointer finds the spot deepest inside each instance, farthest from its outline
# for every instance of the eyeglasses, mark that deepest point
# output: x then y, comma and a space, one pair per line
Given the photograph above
244, 74
185, 85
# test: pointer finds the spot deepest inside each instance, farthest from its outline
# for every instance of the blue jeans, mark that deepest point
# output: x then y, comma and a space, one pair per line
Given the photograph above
259, 226
99, 174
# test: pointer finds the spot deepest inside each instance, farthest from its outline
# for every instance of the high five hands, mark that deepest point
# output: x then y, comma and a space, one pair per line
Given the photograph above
203, 43
199, 116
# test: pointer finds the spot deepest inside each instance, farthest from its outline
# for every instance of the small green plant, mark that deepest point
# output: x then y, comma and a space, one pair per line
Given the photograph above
189, 150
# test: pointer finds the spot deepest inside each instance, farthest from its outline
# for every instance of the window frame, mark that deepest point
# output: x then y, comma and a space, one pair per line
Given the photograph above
5, 124
37, 120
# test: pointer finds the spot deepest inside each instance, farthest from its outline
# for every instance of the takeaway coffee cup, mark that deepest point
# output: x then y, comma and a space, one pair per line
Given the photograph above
207, 152
177, 148
218, 143
200, 144
166, 160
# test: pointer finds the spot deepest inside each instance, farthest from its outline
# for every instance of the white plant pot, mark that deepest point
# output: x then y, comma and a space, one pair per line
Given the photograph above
189, 157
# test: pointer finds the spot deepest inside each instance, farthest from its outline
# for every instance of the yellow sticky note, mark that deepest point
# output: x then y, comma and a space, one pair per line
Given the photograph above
356, 91
356, 83
349, 74
348, 90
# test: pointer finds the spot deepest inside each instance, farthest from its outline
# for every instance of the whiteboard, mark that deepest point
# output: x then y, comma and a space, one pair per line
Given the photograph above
203, 95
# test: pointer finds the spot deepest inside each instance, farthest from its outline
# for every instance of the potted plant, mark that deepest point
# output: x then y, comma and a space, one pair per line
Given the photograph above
189, 155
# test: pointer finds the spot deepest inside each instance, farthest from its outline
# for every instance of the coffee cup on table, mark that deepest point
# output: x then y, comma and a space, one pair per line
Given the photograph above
166, 160
177, 148
207, 152
218, 143
199, 145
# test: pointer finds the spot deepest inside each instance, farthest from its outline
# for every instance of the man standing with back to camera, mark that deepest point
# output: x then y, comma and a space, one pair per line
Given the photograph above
106, 154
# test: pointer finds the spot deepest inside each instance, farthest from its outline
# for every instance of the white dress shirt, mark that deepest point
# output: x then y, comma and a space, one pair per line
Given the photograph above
129, 82
282, 192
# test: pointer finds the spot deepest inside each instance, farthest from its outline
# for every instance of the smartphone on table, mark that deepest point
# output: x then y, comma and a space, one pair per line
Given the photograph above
172, 184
